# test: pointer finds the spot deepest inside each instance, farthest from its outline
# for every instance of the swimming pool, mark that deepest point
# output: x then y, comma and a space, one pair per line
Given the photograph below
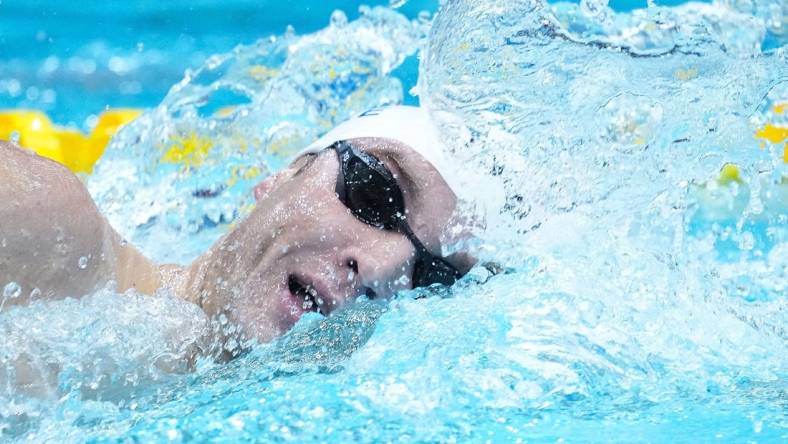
644, 298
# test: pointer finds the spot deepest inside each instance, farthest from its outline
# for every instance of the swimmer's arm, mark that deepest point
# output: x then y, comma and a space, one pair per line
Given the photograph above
52, 236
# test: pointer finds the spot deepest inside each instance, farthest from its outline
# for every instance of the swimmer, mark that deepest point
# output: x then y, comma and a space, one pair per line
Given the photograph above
361, 211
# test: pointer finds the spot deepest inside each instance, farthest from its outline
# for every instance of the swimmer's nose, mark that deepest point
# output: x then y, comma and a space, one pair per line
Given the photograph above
378, 272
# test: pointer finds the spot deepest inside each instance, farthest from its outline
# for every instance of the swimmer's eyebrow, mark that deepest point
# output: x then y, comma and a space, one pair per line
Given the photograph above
310, 159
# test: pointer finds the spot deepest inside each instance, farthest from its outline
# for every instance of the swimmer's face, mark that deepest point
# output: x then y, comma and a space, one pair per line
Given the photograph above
302, 249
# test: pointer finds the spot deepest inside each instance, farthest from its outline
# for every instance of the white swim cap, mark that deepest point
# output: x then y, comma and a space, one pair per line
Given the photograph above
407, 124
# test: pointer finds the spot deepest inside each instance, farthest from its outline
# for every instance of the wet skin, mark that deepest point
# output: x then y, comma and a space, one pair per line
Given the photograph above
299, 250
300, 231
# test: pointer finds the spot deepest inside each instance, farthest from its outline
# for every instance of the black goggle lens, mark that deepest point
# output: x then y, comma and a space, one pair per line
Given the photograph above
371, 196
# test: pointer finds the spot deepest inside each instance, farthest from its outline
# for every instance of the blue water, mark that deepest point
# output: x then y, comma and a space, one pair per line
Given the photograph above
73, 60
641, 301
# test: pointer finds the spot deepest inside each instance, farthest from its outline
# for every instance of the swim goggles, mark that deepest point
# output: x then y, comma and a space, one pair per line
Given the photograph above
369, 190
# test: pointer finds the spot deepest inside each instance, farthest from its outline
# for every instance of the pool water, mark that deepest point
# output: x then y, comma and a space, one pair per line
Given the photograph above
72, 61
628, 166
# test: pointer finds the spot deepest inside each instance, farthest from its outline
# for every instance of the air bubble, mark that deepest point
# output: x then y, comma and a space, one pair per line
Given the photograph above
756, 205
746, 241
12, 291
83, 262
338, 19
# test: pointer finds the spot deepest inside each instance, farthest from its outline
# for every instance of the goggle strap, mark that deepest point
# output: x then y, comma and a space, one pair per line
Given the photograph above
423, 253
405, 229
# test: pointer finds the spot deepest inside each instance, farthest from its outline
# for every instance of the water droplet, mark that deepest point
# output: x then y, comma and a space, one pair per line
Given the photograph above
424, 17
338, 18
597, 9
747, 241
756, 205
83, 262
12, 291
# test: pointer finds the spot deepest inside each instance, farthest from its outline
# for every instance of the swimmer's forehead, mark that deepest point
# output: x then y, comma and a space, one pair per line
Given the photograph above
405, 161
382, 146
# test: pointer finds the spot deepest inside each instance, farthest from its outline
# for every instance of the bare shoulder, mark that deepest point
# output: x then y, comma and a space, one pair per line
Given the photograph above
24, 174
52, 237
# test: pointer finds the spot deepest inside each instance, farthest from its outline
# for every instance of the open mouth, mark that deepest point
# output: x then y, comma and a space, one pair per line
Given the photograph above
307, 293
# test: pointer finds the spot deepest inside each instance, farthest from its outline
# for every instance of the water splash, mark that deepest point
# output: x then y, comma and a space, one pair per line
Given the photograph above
185, 169
644, 288
105, 349
601, 139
